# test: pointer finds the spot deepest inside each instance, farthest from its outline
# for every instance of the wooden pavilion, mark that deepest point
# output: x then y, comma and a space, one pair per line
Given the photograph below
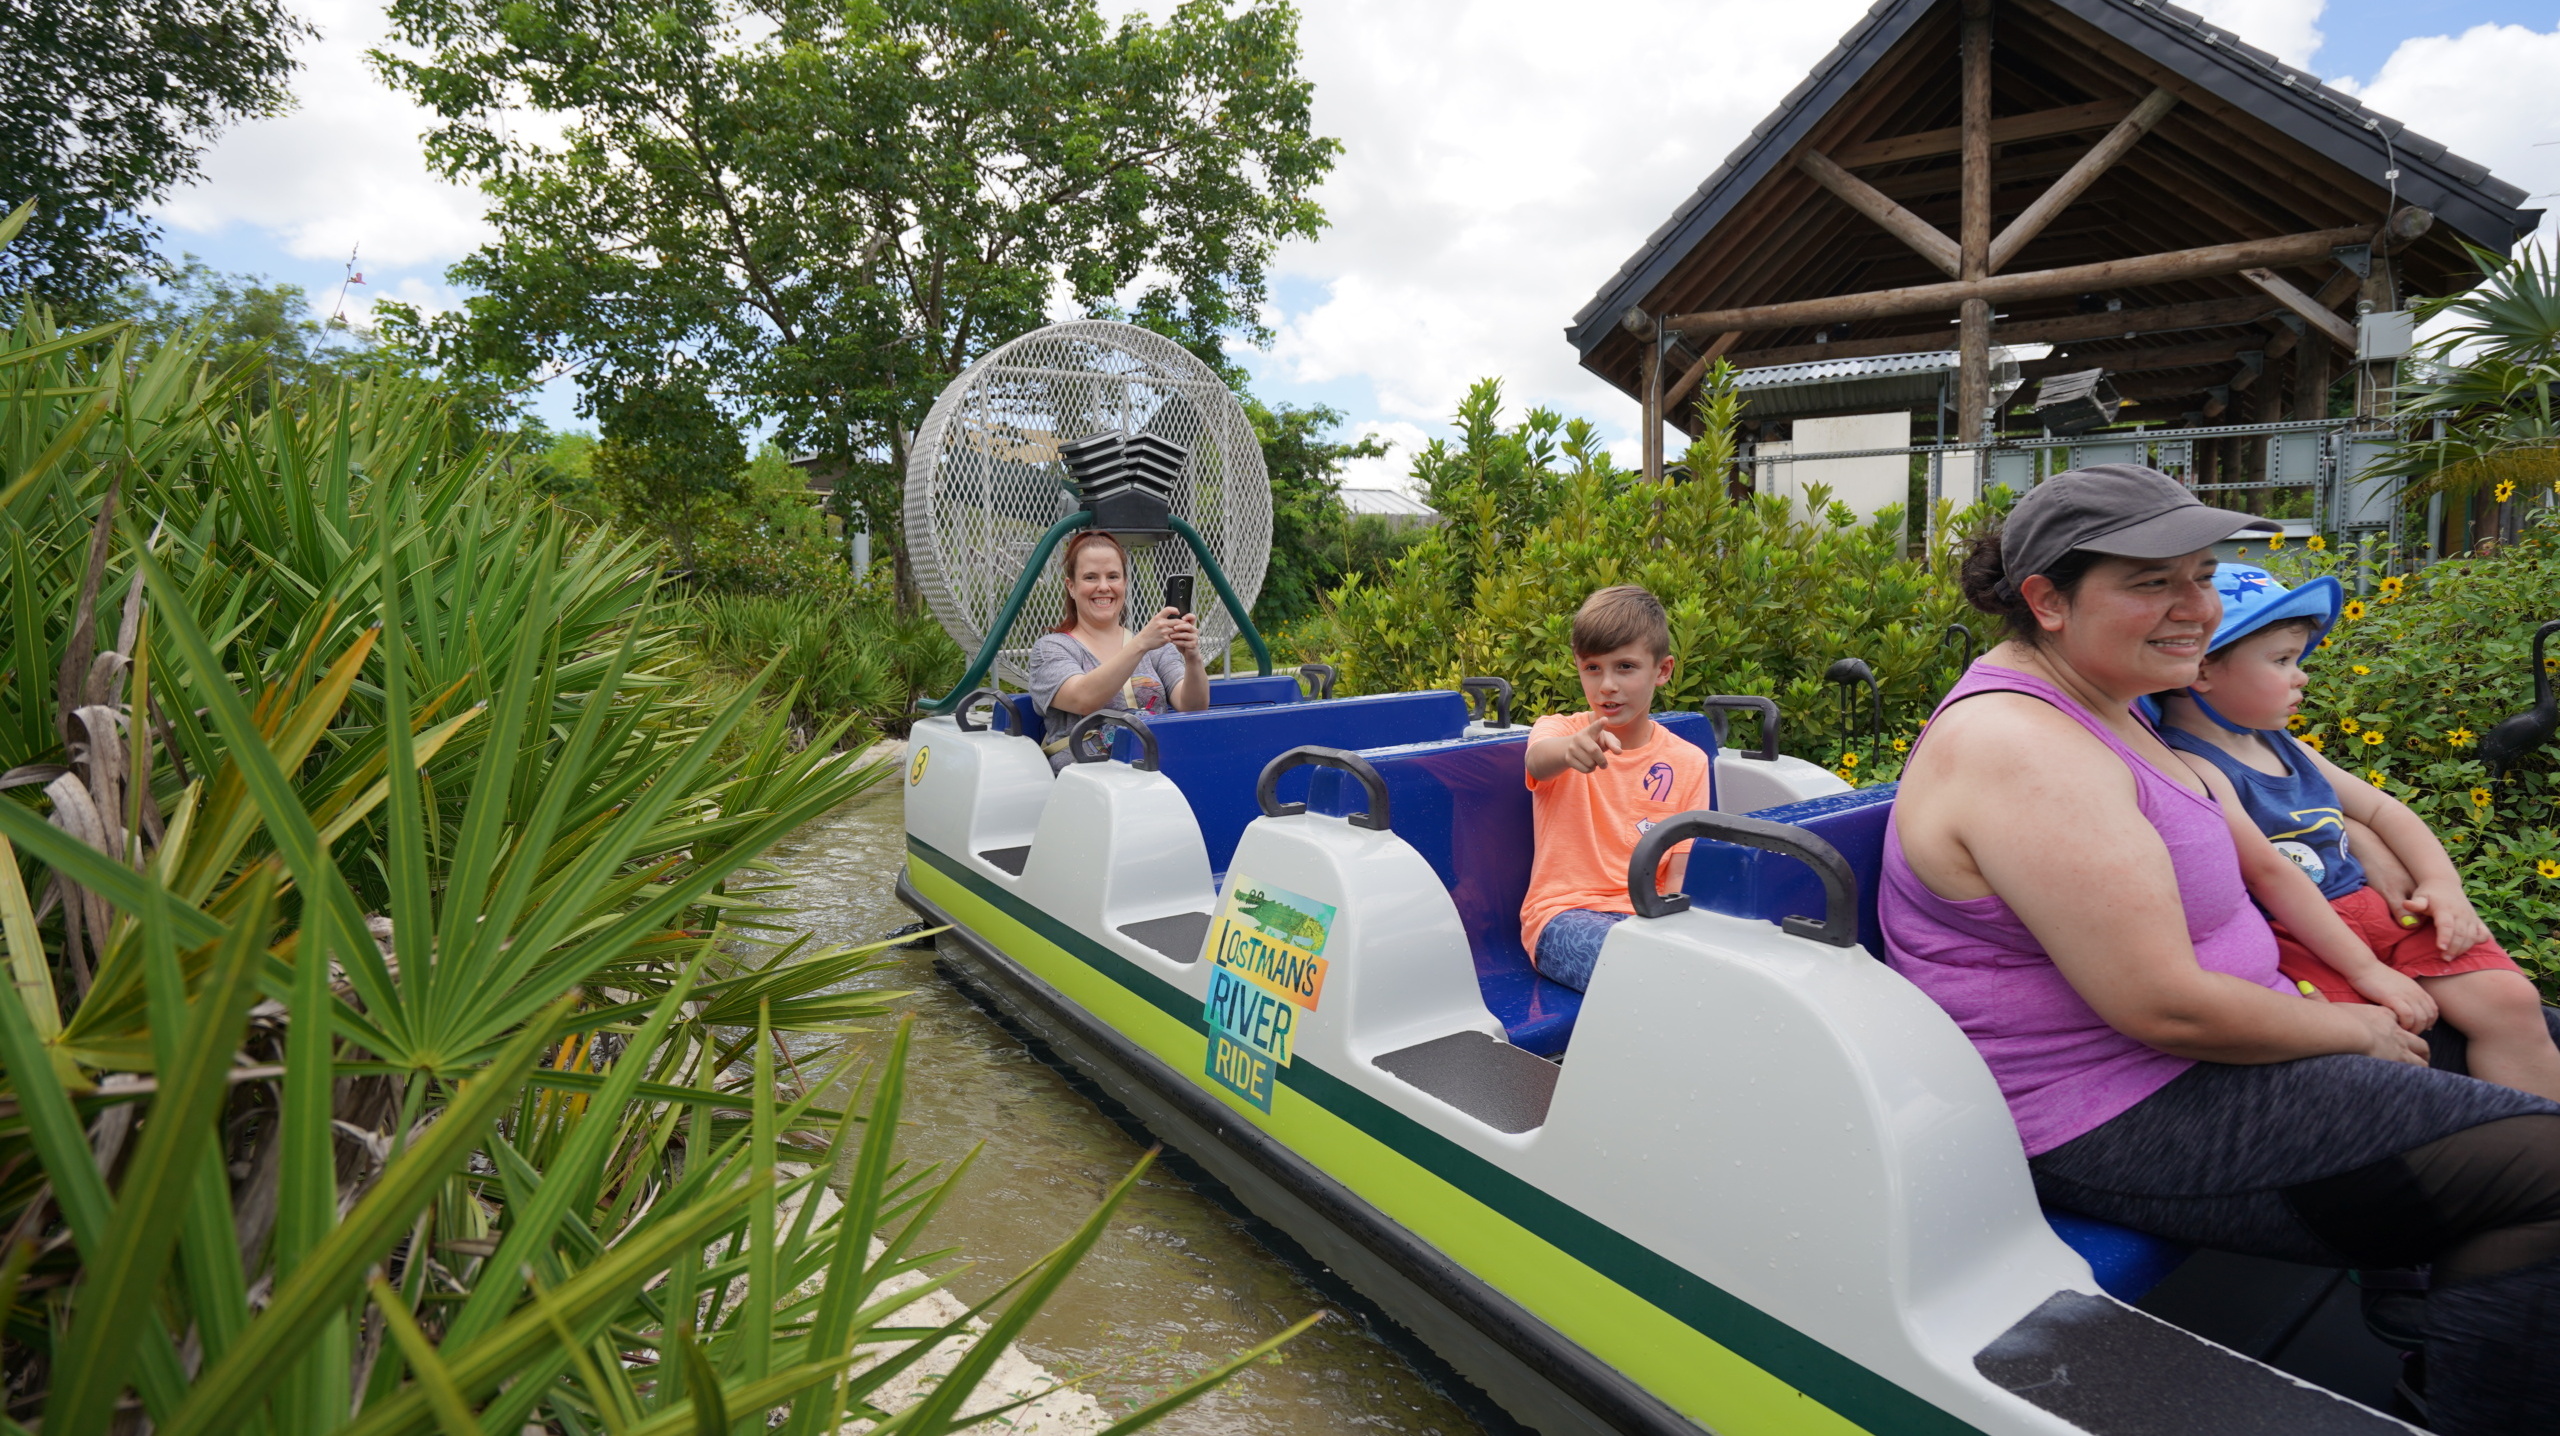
2115, 178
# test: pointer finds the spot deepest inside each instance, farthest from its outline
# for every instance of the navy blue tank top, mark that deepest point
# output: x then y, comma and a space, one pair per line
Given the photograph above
2298, 812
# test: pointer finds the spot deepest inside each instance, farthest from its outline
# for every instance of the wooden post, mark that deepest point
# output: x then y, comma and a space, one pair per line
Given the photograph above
2311, 377
1653, 410
1973, 336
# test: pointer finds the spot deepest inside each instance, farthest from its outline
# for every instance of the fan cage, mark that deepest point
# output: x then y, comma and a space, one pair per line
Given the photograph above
984, 480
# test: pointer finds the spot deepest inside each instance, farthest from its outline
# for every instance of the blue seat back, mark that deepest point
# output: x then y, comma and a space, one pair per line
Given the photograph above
1216, 757
1223, 693
1465, 807
1748, 882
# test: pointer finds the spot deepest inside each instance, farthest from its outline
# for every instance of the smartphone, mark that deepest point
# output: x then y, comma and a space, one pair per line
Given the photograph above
1177, 593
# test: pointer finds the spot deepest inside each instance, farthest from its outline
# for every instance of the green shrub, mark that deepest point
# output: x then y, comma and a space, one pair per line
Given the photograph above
1762, 597
842, 658
2425, 662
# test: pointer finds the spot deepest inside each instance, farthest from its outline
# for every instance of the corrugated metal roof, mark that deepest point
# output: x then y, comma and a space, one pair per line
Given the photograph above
2461, 191
1392, 503
1819, 371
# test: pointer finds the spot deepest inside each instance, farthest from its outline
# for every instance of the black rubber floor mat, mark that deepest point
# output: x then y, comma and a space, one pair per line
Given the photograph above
1177, 937
2114, 1371
1505, 1087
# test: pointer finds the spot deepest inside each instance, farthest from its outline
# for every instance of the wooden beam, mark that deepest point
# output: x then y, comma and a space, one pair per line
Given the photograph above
1689, 380
2111, 324
2079, 177
2179, 264
1973, 222
1901, 223
2338, 330
1653, 412
2043, 124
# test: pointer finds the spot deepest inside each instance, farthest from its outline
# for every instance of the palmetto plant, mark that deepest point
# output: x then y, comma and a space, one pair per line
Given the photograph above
2482, 418
395, 1041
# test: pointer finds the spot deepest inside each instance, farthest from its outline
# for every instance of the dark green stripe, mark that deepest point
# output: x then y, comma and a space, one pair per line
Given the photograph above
1863, 1396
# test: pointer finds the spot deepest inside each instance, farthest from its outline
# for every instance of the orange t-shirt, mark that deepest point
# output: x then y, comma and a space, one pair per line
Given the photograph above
1586, 824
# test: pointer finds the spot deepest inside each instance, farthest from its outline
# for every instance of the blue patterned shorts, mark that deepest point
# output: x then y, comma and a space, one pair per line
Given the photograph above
1569, 945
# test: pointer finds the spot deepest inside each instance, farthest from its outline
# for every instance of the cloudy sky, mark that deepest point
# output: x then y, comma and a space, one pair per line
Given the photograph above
1502, 158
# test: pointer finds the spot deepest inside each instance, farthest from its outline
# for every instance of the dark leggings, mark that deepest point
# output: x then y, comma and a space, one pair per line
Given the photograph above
2352, 1161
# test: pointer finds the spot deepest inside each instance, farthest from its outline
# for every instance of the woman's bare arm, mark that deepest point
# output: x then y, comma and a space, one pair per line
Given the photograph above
2048, 817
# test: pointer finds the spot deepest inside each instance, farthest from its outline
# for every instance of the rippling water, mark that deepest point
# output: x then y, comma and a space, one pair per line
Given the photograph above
1180, 1281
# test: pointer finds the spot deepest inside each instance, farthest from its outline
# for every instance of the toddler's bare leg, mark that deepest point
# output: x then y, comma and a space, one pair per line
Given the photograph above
2501, 1013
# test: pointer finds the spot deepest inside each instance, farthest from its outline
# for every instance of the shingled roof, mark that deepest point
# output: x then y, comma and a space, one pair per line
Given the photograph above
1892, 75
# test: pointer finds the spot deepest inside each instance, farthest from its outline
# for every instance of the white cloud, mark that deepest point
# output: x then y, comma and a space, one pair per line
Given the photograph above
1392, 469
344, 169
2287, 29
2487, 94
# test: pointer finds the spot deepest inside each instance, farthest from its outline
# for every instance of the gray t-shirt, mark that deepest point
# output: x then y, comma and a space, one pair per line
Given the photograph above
1057, 657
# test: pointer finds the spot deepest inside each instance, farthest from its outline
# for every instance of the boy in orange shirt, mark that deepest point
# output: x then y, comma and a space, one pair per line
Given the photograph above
1598, 780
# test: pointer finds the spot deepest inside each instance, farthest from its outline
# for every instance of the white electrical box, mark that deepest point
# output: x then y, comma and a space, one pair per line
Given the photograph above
2385, 334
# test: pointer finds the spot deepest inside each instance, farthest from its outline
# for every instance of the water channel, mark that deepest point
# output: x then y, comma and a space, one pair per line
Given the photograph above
1184, 1278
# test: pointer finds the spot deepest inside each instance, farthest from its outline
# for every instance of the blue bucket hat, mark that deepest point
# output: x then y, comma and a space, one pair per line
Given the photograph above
2252, 599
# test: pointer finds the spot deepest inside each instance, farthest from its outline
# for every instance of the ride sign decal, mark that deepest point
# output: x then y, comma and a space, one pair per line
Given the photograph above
1267, 968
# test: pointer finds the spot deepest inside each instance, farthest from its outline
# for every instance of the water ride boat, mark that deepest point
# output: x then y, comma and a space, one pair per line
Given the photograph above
1751, 1181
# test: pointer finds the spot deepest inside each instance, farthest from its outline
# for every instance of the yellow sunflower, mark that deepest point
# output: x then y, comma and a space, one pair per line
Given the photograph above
2549, 868
2392, 586
1848, 760
2377, 777
2506, 491
2275, 542
2479, 797
2462, 737
2295, 722
2354, 609
2349, 725
2372, 739
2359, 670
2315, 543
1902, 745
2316, 743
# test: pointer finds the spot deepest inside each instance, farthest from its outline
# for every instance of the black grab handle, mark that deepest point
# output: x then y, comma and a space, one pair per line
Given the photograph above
1839, 923
1767, 708
1266, 789
1496, 698
1319, 678
960, 715
1082, 748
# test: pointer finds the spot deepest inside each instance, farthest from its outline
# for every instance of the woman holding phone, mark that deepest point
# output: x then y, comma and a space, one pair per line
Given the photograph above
1091, 661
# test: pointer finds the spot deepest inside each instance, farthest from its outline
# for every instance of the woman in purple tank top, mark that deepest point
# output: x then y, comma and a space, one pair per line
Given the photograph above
2063, 886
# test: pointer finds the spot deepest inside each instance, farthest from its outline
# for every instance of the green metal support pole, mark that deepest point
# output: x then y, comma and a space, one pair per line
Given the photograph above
1003, 625
1226, 593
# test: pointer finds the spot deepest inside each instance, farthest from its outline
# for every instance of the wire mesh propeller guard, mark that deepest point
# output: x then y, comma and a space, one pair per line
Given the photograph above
985, 478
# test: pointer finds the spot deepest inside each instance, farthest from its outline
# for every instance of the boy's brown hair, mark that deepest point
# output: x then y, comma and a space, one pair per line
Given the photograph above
1619, 616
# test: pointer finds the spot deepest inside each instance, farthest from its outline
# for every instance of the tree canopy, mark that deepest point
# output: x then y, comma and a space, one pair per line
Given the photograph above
814, 214
109, 103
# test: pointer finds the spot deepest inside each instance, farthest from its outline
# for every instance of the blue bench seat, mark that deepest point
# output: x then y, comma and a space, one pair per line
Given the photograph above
1234, 691
1215, 757
1464, 807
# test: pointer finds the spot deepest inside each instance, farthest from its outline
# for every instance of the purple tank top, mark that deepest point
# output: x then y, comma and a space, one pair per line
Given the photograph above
2062, 1068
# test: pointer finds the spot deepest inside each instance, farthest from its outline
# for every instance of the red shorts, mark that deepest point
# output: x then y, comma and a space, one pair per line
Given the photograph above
2409, 951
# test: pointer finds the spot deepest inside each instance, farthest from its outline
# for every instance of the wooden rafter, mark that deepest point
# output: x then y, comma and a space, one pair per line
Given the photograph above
1672, 396
2076, 180
2203, 262
2312, 310
2043, 124
1924, 237
2113, 324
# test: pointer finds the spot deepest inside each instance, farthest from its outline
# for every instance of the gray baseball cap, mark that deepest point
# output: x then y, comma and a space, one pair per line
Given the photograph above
2121, 509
